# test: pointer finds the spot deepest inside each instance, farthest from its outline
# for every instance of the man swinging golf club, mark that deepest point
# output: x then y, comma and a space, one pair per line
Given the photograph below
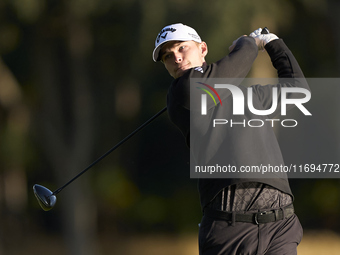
240, 215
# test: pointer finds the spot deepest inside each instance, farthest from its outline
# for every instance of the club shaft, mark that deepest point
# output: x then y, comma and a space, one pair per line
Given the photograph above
111, 150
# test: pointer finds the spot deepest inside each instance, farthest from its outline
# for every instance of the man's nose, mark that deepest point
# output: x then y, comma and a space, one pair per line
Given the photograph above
178, 58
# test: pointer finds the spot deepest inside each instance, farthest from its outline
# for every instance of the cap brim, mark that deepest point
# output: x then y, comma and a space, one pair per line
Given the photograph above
155, 54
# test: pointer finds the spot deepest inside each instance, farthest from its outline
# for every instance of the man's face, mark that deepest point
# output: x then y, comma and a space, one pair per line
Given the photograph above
179, 56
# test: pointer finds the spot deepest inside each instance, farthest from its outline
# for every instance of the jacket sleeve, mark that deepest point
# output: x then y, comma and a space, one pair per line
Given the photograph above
238, 62
283, 60
289, 75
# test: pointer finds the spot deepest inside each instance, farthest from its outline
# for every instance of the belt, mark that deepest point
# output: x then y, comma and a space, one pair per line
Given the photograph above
256, 218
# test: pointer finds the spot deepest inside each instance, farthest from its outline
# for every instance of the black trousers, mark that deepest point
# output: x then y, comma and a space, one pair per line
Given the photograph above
218, 237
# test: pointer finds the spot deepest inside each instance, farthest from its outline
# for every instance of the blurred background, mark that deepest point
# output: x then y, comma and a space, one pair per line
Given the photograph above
77, 76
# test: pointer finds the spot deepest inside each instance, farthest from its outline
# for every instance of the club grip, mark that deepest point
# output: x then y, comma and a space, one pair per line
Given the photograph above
265, 30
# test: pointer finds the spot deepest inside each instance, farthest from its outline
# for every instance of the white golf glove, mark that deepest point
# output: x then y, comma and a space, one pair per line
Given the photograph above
262, 39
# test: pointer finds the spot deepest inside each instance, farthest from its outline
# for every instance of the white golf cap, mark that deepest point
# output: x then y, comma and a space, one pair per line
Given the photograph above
175, 32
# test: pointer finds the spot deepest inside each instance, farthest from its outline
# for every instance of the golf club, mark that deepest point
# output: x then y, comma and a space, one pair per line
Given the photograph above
47, 199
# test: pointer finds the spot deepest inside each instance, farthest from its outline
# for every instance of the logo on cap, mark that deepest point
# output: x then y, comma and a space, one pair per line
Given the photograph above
168, 29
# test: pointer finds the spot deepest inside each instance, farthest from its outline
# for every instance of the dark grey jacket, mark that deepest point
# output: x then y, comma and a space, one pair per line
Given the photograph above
243, 146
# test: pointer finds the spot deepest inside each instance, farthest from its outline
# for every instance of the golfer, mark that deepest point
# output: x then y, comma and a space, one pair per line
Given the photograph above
240, 215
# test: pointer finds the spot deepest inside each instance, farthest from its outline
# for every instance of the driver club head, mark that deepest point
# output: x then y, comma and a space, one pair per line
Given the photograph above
45, 197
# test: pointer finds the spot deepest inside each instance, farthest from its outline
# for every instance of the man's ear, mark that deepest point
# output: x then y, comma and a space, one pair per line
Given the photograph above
204, 48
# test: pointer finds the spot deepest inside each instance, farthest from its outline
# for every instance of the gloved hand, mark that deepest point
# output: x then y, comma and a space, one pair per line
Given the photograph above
262, 39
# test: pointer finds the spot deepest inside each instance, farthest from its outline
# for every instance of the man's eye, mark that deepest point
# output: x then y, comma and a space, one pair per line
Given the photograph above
167, 56
182, 47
